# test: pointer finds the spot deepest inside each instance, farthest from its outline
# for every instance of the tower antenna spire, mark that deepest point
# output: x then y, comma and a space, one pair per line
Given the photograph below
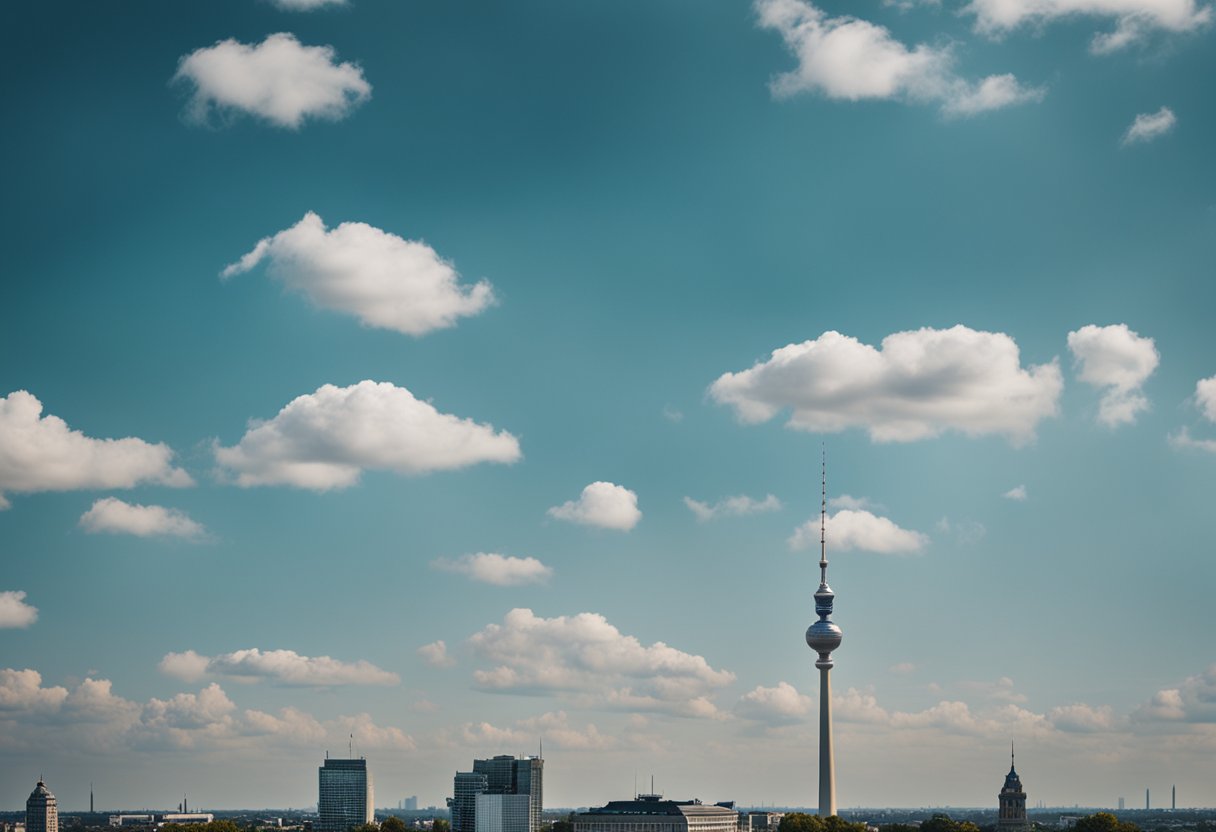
823, 515
823, 637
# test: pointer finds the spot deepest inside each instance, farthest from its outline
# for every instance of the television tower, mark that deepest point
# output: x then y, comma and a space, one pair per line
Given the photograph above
823, 637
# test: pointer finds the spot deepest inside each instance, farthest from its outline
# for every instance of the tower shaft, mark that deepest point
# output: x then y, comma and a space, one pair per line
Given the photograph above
827, 763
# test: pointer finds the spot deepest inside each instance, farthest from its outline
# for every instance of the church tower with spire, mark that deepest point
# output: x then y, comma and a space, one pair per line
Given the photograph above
823, 637
1012, 800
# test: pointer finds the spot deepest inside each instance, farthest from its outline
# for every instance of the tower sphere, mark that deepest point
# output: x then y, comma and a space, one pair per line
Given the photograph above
823, 637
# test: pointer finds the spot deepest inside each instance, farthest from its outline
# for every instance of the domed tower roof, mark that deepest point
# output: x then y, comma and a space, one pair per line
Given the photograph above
40, 792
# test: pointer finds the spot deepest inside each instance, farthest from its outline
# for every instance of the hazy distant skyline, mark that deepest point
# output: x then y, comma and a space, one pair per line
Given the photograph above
469, 367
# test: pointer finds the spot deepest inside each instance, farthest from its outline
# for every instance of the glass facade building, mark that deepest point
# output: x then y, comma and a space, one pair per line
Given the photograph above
344, 796
503, 813
503, 775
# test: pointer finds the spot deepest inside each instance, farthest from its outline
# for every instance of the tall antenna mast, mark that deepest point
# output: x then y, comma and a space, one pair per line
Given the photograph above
823, 517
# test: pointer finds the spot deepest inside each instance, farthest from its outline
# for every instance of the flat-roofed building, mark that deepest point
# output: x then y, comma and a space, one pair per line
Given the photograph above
651, 813
503, 813
344, 797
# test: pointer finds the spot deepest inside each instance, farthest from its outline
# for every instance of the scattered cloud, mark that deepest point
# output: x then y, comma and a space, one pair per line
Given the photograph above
1183, 439
965, 532
673, 414
15, 613
1205, 397
325, 439
1082, 718
305, 5
384, 280
1118, 360
41, 453
1002, 690
739, 506
117, 517
1149, 126
854, 503
1018, 493
1133, 19
279, 80
917, 385
584, 654
436, 654
554, 727
848, 529
1192, 701
850, 58
283, 667
500, 570
902, 668
780, 705
92, 717
602, 504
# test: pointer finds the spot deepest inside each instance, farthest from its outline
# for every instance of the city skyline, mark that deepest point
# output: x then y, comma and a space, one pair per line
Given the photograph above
445, 377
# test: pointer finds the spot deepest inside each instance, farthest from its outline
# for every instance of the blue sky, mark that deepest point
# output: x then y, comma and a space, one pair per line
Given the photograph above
513, 252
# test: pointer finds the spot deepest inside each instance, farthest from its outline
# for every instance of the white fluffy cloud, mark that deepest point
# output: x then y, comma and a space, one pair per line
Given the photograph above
436, 654
284, 667
306, 5
853, 59
14, 611
279, 80
602, 504
41, 453
917, 385
848, 529
1133, 19
1205, 397
384, 280
92, 717
325, 439
1148, 126
779, 705
1192, 701
1118, 360
117, 517
584, 654
554, 727
1018, 493
1082, 718
1183, 439
732, 507
500, 570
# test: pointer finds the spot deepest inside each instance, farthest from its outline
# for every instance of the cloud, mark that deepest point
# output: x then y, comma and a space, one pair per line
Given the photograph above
117, 517
1148, 126
325, 439
850, 502
436, 654
283, 667
918, 385
1082, 718
500, 570
1018, 492
1119, 360
41, 453
1192, 701
602, 504
853, 59
555, 727
781, 705
1133, 19
1205, 397
278, 80
739, 506
382, 279
902, 668
22, 690
848, 529
305, 5
966, 532
1001, 690
585, 654
14, 612
1183, 439
672, 414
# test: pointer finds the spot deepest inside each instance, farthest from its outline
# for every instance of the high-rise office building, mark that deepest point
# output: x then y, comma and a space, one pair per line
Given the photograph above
501, 775
823, 637
41, 810
344, 796
651, 813
503, 813
1122, 804
463, 804
1012, 800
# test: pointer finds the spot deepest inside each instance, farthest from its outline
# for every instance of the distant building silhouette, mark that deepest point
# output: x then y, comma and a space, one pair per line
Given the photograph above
1012, 800
344, 796
41, 810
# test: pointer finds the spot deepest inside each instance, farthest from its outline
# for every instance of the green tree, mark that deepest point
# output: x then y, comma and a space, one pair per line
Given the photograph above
392, 823
944, 823
1105, 822
365, 827
801, 822
836, 823
442, 825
